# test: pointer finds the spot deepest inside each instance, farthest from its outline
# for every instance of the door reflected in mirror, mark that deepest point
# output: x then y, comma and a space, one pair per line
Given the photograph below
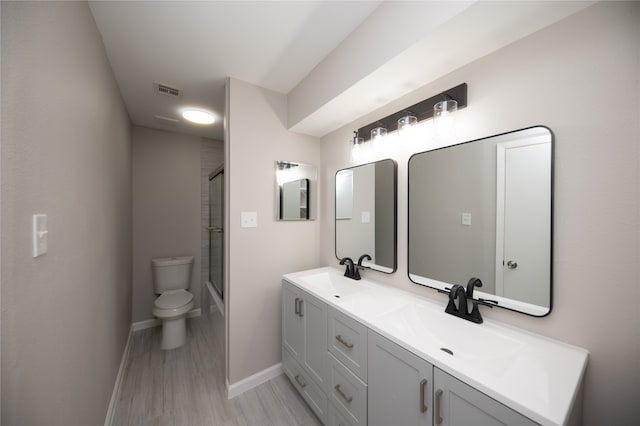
483, 209
366, 214
295, 182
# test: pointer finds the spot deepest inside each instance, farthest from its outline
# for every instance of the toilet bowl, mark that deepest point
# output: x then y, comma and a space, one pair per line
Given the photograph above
171, 279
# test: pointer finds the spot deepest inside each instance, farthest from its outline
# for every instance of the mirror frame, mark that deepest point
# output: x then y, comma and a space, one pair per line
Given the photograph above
311, 176
373, 266
447, 286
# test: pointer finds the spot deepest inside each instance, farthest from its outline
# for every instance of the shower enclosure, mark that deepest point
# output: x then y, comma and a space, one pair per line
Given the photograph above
216, 231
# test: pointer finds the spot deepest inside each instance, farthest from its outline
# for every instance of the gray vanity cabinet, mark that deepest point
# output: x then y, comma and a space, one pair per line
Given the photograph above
304, 331
458, 404
400, 385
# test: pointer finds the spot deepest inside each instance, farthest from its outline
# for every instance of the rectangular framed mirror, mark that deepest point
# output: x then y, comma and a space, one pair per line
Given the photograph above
295, 182
484, 209
366, 206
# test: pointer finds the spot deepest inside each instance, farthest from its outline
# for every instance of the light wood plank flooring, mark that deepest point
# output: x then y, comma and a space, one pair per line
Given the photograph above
185, 386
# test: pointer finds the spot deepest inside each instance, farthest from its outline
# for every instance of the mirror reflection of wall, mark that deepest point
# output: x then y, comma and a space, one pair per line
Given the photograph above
366, 214
483, 209
295, 184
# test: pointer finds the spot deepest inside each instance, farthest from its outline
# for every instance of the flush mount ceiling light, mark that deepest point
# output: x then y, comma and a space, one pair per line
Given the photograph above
198, 116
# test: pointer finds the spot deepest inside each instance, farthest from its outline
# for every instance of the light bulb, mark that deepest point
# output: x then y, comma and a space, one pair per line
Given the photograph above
443, 118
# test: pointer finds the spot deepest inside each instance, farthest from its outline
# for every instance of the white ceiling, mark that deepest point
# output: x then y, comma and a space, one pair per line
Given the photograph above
195, 46
336, 60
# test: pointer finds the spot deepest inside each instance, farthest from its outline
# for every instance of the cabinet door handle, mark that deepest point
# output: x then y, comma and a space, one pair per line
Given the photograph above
297, 307
300, 382
423, 385
345, 343
300, 313
345, 397
437, 417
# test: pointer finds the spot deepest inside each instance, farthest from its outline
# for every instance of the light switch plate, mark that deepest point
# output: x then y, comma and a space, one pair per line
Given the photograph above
40, 234
366, 217
466, 219
248, 219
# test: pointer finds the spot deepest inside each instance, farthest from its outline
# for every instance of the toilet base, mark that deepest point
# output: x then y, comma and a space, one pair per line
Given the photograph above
174, 333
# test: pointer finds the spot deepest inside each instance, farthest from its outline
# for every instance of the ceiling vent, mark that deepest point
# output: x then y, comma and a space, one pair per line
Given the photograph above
163, 89
166, 120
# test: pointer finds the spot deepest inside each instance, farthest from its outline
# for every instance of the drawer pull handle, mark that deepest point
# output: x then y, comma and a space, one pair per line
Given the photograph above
345, 343
345, 397
423, 385
300, 382
437, 417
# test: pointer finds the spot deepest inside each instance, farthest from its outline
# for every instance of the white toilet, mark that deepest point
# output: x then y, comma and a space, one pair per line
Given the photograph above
171, 279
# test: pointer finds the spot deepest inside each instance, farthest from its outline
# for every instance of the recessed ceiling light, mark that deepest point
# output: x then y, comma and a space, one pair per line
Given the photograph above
198, 116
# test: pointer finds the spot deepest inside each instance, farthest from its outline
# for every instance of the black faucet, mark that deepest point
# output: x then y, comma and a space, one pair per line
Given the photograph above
461, 310
351, 270
457, 292
356, 268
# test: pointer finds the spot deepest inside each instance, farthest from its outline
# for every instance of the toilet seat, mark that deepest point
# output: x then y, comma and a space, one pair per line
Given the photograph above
173, 299
173, 303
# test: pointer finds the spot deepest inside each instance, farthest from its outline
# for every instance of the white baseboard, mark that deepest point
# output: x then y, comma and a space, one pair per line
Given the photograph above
251, 382
117, 387
154, 322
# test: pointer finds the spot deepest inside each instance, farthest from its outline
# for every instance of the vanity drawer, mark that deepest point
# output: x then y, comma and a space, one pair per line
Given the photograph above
347, 393
347, 341
335, 417
308, 388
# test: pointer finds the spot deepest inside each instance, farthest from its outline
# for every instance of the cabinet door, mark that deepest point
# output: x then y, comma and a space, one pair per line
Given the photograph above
314, 358
458, 404
292, 322
399, 385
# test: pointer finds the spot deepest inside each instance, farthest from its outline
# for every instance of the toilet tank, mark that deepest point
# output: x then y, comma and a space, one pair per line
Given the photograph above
171, 273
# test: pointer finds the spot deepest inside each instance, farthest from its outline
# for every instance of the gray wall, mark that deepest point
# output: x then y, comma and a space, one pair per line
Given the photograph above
259, 256
562, 77
166, 209
66, 152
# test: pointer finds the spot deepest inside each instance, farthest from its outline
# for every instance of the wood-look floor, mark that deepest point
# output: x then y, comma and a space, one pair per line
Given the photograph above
186, 386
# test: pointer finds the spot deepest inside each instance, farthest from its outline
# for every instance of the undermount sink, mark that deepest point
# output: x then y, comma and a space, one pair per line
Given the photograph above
457, 338
332, 284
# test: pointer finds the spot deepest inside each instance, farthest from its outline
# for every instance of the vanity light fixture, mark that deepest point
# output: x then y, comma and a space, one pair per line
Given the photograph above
198, 116
378, 132
421, 111
407, 121
356, 149
442, 118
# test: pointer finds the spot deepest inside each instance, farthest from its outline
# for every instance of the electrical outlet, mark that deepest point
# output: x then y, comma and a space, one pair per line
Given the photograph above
248, 219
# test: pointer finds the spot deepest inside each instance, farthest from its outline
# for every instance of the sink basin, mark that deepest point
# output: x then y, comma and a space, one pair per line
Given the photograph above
455, 337
331, 284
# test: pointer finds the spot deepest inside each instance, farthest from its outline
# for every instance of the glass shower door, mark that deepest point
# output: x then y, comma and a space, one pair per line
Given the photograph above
216, 231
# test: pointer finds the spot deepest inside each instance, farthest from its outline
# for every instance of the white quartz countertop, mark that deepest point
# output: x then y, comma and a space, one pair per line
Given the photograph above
532, 374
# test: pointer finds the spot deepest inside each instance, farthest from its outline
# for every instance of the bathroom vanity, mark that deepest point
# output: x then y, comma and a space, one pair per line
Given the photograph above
362, 353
